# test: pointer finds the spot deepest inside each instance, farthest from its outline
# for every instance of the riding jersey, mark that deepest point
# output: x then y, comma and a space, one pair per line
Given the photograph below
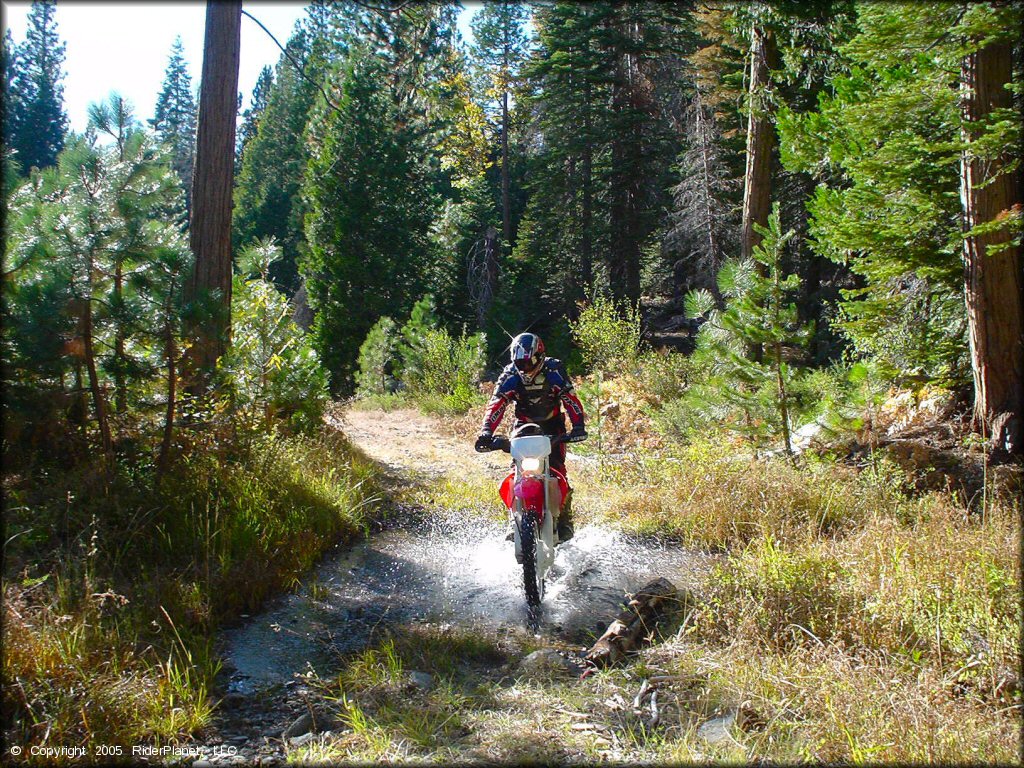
537, 401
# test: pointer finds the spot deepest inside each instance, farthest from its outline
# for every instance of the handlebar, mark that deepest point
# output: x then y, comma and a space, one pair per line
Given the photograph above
500, 443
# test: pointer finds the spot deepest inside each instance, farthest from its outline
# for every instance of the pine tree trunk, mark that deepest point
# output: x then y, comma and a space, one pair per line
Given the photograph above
506, 204
757, 186
98, 401
172, 386
587, 183
626, 167
993, 287
210, 231
120, 387
780, 383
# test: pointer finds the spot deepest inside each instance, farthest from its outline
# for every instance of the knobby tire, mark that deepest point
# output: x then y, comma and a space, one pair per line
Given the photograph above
528, 541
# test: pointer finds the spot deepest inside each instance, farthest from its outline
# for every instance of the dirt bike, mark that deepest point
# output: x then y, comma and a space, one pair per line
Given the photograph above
533, 493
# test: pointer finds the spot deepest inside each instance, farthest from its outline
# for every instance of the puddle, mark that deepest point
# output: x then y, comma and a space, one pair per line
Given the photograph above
455, 571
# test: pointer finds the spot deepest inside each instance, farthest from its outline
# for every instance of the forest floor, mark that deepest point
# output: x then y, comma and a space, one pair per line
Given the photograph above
414, 643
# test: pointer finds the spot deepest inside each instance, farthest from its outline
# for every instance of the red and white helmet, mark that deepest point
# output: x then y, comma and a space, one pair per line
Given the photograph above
527, 353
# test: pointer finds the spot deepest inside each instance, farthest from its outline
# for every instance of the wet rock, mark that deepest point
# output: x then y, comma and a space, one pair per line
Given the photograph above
545, 664
307, 723
422, 680
300, 727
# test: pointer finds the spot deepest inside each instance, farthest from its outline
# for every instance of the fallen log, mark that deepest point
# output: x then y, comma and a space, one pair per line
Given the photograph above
630, 627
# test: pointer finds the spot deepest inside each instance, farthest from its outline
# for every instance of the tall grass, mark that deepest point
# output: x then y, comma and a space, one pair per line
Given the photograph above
113, 586
863, 622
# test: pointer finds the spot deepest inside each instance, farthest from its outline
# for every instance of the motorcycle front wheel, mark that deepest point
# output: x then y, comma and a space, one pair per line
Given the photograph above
528, 539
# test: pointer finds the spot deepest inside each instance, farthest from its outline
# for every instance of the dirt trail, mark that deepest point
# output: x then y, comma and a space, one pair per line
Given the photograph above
408, 443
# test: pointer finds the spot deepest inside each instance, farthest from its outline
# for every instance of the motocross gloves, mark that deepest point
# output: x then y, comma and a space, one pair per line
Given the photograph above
483, 442
578, 435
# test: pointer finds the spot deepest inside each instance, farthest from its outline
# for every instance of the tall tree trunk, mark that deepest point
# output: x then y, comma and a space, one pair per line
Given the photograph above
587, 188
98, 400
172, 386
627, 155
993, 287
210, 231
120, 387
757, 187
506, 204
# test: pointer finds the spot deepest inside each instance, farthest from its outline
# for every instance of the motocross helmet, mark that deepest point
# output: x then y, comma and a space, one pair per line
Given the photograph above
527, 354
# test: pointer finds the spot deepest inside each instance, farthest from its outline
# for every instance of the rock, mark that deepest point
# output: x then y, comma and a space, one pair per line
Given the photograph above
422, 680
306, 723
301, 726
716, 730
305, 738
547, 663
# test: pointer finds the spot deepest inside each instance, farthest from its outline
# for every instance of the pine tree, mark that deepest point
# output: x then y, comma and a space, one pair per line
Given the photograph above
175, 116
94, 292
500, 48
704, 218
883, 146
606, 79
370, 214
251, 117
755, 397
9, 62
268, 202
37, 120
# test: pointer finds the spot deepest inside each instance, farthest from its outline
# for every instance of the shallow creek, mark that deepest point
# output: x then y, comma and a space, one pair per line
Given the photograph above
456, 570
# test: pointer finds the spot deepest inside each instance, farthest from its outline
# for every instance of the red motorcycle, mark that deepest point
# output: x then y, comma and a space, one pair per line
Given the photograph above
533, 493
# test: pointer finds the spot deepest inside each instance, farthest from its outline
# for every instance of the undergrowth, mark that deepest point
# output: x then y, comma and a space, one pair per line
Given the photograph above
114, 584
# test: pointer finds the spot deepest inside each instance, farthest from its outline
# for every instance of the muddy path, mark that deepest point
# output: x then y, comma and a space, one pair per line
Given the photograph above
430, 565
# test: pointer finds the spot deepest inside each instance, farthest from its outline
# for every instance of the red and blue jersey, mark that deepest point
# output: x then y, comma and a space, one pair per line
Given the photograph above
538, 400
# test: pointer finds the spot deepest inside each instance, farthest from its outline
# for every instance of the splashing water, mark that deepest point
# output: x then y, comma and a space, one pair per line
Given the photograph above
447, 570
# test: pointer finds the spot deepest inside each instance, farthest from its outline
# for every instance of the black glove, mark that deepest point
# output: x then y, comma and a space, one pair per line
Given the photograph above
578, 435
483, 442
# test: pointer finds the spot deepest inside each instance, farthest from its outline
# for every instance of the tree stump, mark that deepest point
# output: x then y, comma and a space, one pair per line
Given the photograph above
628, 629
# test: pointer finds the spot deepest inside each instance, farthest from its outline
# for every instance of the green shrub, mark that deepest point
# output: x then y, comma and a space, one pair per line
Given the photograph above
609, 339
377, 358
271, 371
435, 370
449, 370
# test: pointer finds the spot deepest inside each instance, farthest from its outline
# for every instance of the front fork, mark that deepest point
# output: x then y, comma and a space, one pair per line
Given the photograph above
545, 533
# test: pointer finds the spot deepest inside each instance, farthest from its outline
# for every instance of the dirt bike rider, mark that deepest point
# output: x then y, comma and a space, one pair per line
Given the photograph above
539, 386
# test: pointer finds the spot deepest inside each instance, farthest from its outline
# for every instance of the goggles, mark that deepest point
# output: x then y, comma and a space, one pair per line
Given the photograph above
527, 364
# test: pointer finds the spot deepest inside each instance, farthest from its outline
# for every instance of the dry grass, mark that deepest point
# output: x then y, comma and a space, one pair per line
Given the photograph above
112, 592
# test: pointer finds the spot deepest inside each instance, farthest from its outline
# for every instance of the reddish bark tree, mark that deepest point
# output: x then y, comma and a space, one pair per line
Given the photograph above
993, 285
757, 187
210, 230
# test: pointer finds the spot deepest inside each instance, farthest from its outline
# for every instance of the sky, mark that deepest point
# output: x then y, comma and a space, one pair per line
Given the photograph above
125, 46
